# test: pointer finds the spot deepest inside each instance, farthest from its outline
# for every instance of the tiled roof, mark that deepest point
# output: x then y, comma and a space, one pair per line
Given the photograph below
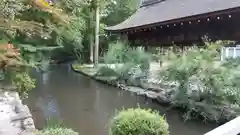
171, 10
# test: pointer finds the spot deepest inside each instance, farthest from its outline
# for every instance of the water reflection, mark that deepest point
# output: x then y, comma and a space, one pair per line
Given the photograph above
49, 107
87, 106
45, 77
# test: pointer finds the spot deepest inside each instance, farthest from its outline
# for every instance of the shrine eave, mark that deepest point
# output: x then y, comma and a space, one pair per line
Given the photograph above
175, 11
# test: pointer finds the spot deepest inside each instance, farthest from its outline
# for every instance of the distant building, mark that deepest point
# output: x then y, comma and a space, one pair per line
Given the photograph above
163, 22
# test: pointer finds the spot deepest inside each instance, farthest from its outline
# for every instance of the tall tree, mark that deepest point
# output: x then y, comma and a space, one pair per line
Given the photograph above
118, 11
25, 23
97, 6
96, 52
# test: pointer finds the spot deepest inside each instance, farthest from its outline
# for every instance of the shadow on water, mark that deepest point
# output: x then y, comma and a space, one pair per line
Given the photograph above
87, 106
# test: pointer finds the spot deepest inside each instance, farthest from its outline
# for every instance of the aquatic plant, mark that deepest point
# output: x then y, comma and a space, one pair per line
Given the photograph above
138, 122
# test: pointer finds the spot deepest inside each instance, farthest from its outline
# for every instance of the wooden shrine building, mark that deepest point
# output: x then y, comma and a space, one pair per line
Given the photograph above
164, 22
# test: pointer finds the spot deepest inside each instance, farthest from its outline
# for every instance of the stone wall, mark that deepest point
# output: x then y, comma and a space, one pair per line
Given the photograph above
15, 118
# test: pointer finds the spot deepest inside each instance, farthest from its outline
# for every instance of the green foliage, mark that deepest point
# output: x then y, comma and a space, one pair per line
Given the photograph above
125, 70
138, 122
121, 52
33, 29
205, 87
106, 71
118, 11
13, 70
131, 64
59, 131
24, 83
39, 25
116, 53
56, 127
232, 62
54, 123
138, 57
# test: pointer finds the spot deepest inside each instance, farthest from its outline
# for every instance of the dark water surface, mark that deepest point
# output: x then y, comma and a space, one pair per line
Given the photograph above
87, 106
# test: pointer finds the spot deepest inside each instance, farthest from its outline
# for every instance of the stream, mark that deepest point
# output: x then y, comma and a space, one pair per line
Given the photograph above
87, 106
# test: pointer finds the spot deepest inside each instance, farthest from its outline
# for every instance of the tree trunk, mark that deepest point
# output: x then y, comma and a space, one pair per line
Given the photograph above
96, 52
91, 38
91, 48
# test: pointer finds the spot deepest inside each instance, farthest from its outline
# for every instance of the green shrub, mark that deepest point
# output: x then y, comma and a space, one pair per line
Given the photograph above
204, 89
138, 57
57, 127
54, 123
24, 83
116, 52
138, 122
232, 62
106, 71
131, 58
121, 52
59, 131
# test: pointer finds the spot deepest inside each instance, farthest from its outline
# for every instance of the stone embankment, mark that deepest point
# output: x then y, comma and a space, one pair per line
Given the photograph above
15, 118
150, 89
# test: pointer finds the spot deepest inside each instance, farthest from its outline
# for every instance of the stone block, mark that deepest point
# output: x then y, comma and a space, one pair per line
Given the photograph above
28, 124
162, 99
20, 116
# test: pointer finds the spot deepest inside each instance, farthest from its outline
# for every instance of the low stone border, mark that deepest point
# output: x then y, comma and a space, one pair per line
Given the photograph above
15, 118
162, 97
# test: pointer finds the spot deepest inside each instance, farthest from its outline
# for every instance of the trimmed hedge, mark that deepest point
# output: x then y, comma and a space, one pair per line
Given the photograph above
138, 122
